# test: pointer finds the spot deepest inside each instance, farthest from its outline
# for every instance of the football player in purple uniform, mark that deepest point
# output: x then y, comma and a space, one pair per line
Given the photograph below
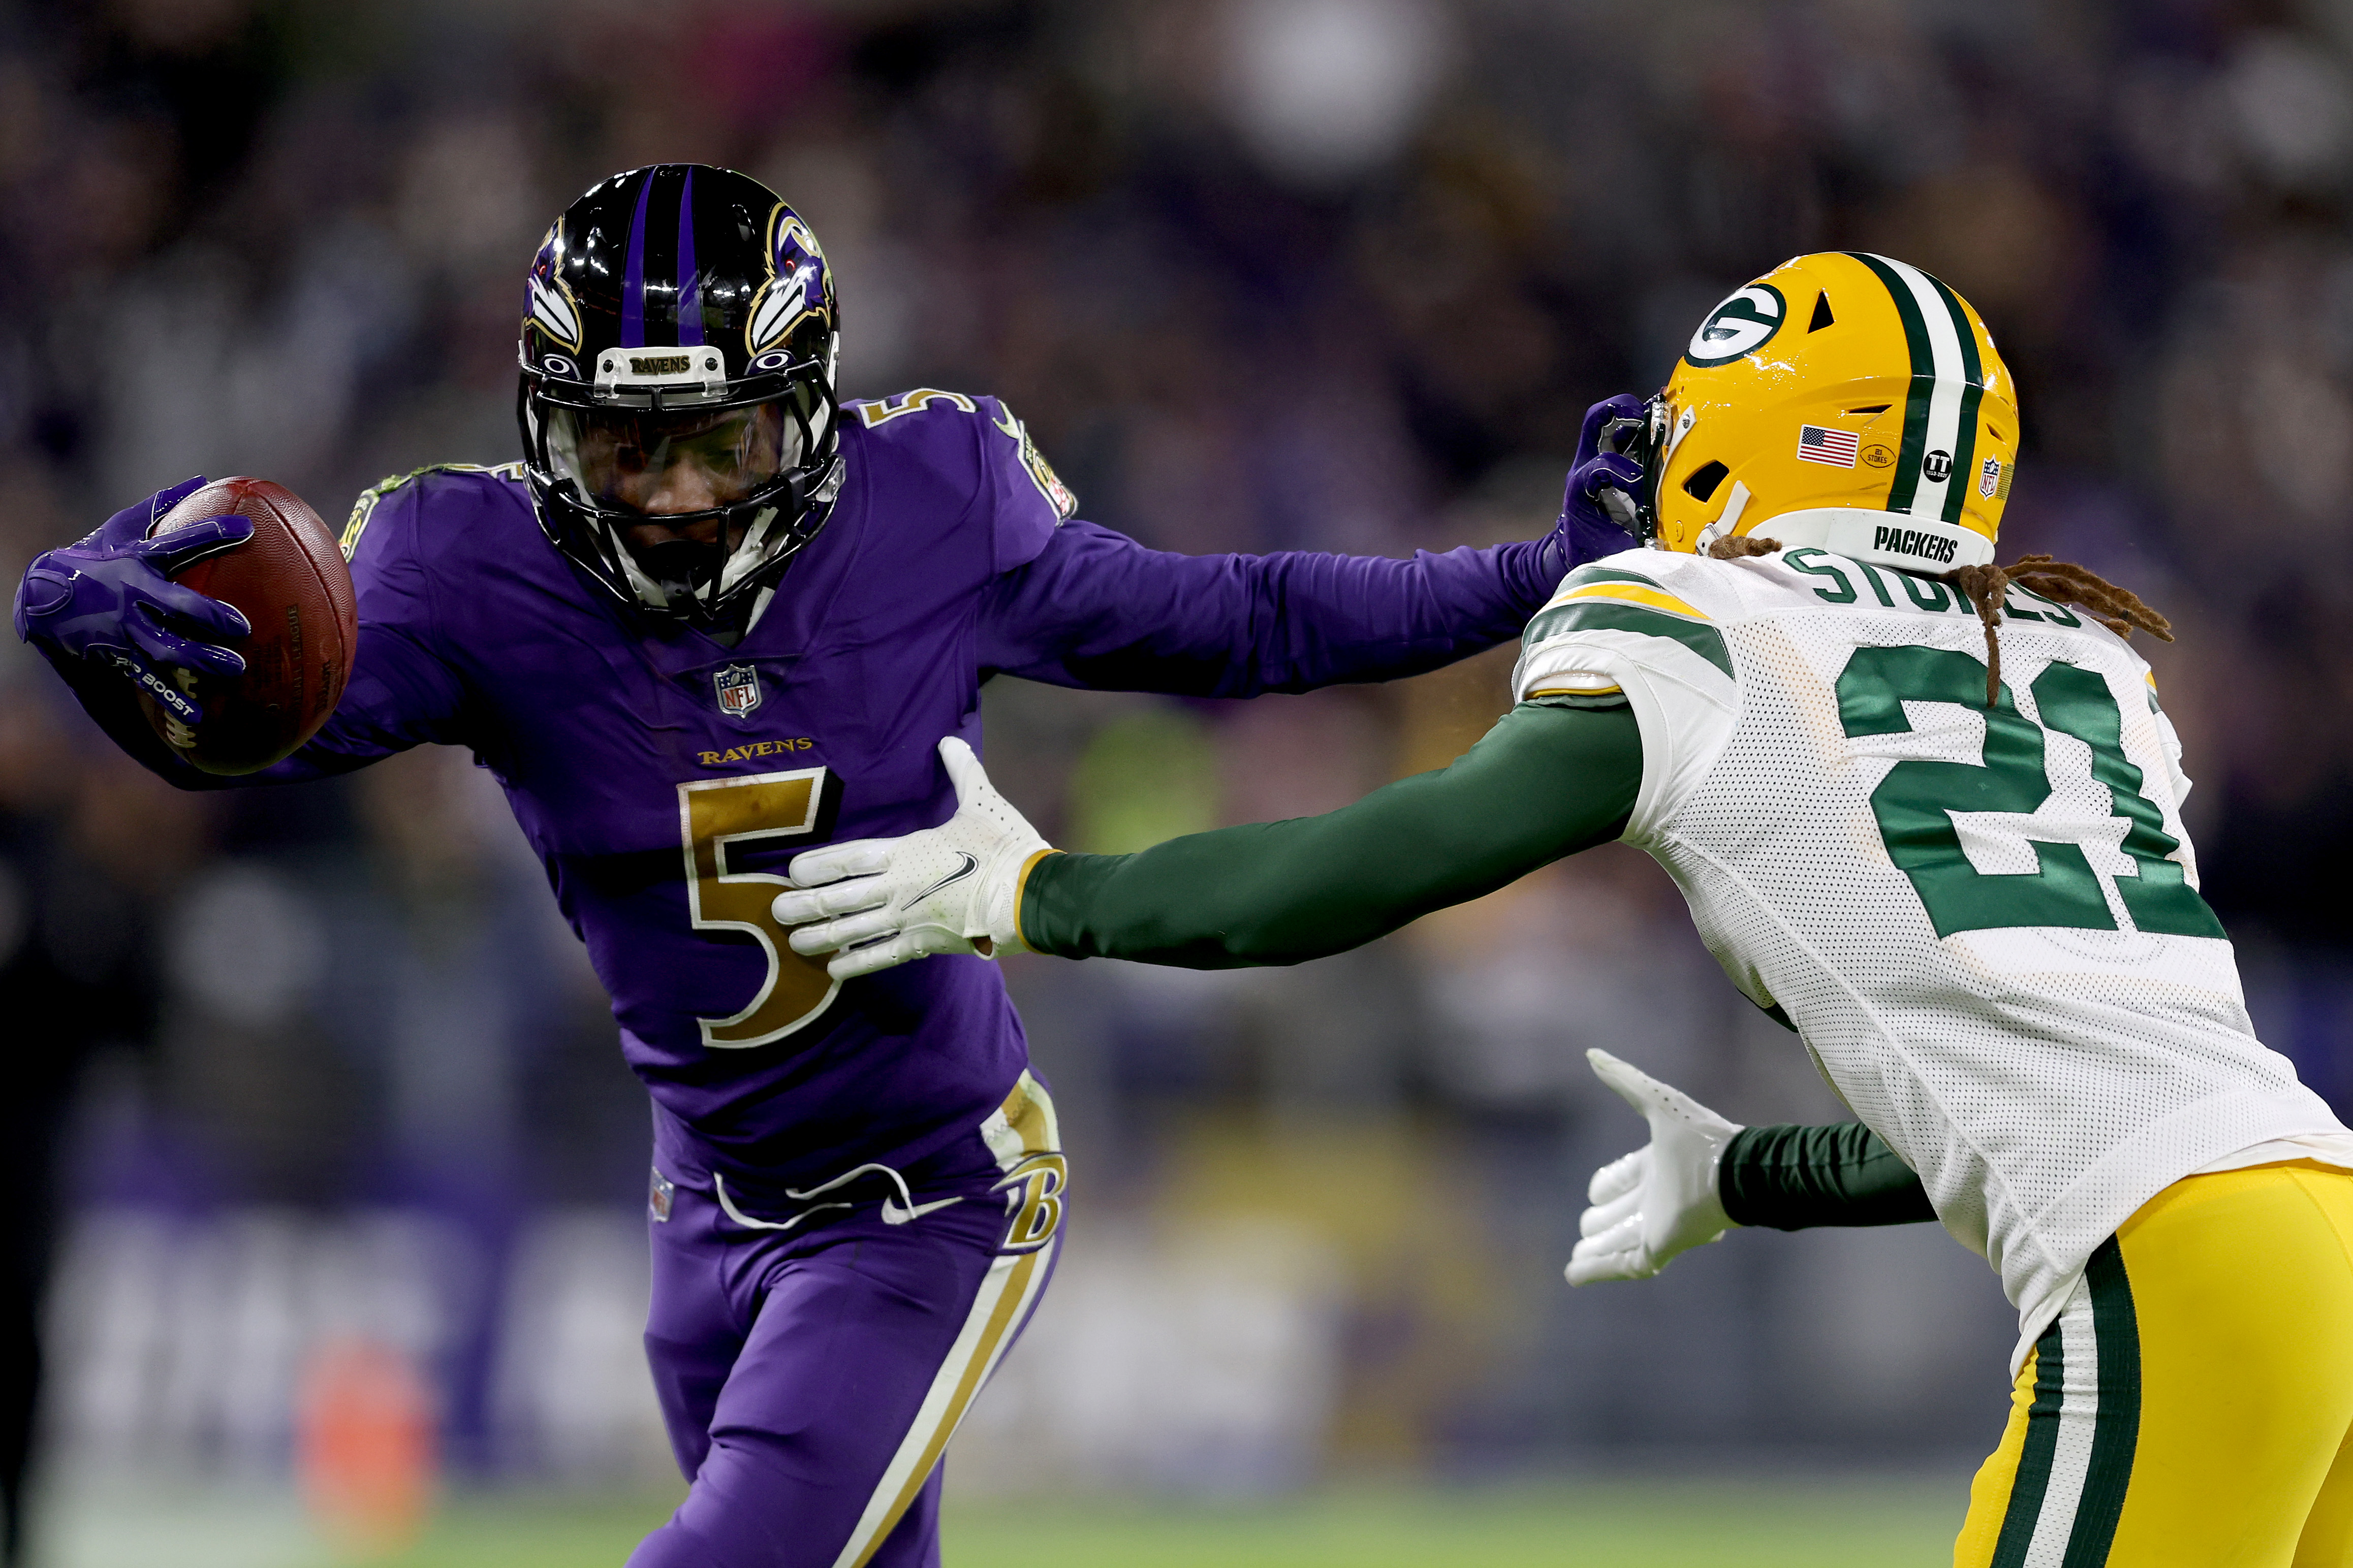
712, 618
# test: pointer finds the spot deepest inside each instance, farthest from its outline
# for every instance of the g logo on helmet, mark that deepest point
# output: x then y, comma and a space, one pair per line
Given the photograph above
1741, 325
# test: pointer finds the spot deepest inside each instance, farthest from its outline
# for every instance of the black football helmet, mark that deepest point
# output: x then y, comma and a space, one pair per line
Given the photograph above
678, 343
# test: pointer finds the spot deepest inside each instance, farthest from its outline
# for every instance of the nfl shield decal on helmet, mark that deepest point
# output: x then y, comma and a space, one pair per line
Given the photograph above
739, 689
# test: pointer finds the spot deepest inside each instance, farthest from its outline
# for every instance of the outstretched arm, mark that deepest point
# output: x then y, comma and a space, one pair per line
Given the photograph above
1545, 783
1097, 609
1094, 608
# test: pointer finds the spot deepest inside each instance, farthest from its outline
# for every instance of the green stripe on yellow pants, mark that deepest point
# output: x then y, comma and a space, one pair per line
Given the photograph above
2191, 1406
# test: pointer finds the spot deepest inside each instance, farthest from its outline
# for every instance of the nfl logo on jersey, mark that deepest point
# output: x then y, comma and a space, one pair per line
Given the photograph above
739, 689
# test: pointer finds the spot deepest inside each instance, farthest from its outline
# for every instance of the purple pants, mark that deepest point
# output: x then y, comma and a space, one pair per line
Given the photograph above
811, 1376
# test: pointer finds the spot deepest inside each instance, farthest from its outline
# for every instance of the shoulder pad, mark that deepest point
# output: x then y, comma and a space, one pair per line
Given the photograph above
875, 412
1616, 568
365, 508
878, 411
1604, 596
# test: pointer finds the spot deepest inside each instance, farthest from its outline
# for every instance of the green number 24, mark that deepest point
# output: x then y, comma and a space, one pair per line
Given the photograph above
1913, 804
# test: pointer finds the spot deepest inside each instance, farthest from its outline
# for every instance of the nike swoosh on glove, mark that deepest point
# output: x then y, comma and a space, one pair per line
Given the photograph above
877, 902
1660, 1200
111, 597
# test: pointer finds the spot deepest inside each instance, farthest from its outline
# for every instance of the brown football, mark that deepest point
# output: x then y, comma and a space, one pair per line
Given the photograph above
290, 582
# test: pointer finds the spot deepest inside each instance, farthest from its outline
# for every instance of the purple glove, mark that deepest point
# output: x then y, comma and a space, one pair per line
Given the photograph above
1596, 513
111, 597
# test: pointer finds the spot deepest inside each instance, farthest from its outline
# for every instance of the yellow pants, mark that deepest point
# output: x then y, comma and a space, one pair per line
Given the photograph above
2191, 1406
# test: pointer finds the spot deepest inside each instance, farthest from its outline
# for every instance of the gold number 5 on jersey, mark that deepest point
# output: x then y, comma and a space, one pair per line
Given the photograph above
713, 813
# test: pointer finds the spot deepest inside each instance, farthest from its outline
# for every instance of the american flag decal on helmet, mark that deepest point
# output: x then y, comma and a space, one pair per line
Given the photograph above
1835, 448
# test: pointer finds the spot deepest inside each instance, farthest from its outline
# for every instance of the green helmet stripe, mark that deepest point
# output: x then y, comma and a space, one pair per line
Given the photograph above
1917, 400
1965, 439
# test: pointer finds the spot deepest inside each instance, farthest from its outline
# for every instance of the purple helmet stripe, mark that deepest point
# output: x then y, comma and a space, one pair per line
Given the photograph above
690, 287
633, 280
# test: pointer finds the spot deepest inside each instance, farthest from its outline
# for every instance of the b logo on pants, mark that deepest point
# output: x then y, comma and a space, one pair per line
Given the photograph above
1034, 1197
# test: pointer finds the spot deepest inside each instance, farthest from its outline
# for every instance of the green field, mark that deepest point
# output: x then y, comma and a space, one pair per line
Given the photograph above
1651, 1524
1758, 1523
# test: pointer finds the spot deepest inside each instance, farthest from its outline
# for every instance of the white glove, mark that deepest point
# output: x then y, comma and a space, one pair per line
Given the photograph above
955, 887
1660, 1199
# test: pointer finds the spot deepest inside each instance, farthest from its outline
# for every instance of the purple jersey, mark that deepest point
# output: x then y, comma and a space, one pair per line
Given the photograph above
665, 781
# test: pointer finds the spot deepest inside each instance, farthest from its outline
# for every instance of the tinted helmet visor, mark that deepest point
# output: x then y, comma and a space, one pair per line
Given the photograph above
666, 463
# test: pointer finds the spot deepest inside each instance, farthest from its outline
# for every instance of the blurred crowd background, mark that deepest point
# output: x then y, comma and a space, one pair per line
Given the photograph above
304, 1073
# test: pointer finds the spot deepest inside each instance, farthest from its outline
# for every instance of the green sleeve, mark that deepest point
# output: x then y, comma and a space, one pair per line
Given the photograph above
1544, 783
1793, 1178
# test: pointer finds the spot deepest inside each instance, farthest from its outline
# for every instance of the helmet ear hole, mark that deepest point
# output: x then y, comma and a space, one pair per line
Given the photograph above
1822, 317
1703, 480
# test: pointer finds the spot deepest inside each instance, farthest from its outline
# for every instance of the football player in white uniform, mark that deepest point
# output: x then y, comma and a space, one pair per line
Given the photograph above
1925, 813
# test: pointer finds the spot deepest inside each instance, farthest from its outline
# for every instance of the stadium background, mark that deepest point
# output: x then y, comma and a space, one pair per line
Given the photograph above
326, 1102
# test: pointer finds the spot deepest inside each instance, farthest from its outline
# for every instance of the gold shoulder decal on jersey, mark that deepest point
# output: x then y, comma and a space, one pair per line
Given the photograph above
873, 411
1042, 473
363, 509
1626, 603
1633, 593
1580, 694
1597, 573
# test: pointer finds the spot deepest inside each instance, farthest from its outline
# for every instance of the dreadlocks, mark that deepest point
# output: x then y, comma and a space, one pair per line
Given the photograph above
2060, 582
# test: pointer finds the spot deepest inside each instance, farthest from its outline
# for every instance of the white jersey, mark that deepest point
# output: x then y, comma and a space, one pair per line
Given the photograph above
1984, 924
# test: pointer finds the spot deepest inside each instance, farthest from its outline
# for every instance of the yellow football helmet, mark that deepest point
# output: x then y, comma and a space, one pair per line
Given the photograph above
1842, 400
